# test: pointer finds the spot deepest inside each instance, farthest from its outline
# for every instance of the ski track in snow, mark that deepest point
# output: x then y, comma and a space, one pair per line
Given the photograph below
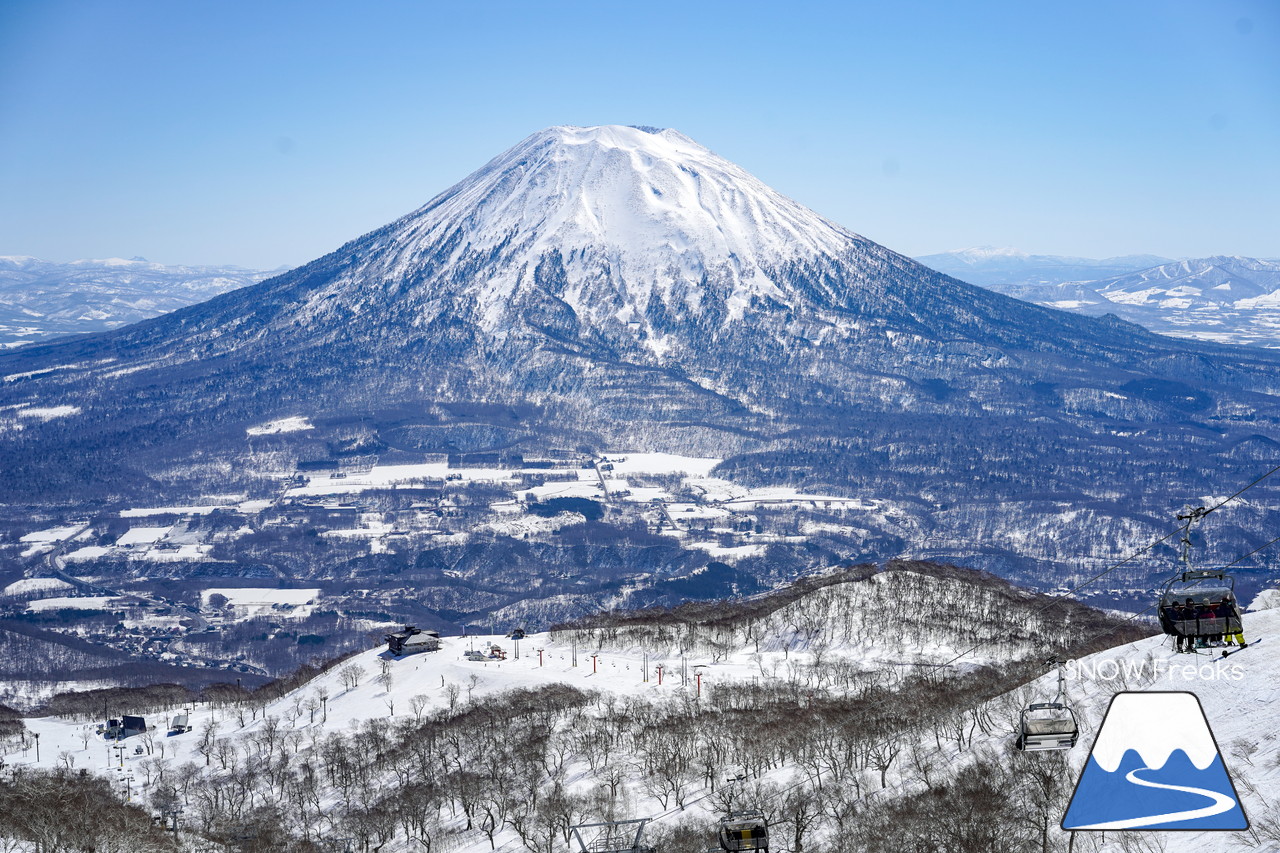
1221, 803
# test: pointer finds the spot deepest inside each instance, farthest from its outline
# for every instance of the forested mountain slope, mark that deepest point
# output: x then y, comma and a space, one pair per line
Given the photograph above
839, 721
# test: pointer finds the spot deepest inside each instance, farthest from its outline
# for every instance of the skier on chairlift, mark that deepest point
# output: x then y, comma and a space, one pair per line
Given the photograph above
1206, 616
1177, 614
1227, 610
1192, 615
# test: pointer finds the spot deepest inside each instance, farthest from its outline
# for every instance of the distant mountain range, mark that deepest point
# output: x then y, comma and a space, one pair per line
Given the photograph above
621, 287
41, 300
987, 266
1224, 299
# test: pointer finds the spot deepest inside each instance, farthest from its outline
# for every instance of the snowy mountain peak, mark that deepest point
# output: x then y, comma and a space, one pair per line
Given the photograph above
634, 136
605, 219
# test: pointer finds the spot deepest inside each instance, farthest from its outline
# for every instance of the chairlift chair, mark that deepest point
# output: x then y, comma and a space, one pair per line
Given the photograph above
1045, 726
1200, 586
747, 830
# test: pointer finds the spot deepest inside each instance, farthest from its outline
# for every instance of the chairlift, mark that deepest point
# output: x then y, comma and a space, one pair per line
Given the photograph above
746, 830
1046, 726
1203, 591
1199, 604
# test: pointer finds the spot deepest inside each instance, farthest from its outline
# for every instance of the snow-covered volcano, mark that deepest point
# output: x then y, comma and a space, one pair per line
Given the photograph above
636, 236
632, 244
638, 209
625, 287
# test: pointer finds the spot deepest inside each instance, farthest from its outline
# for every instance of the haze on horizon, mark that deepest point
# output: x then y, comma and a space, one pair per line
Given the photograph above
265, 136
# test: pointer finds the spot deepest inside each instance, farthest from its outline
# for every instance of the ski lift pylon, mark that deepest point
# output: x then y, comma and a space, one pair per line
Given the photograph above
614, 836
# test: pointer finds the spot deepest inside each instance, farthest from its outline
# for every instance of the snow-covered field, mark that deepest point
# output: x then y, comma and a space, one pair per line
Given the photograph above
217, 502
88, 552
532, 525
729, 552
182, 553
393, 476
294, 424
143, 512
142, 536
48, 413
88, 602
27, 586
39, 541
250, 602
585, 485
661, 463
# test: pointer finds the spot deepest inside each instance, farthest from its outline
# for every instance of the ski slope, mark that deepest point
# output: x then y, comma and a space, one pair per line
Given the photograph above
1240, 696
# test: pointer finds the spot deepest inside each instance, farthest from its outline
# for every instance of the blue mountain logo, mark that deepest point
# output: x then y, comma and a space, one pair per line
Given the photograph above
1155, 765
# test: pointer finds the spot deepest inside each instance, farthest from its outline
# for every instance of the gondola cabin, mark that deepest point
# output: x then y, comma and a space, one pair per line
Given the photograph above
744, 831
1047, 726
1200, 604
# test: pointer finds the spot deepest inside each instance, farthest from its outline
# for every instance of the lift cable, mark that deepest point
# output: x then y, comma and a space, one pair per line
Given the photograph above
1251, 553
1197, 514
1151, 607
1111, 630
1192, 516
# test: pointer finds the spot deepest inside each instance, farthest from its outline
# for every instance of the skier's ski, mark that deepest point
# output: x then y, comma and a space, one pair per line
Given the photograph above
1229, 652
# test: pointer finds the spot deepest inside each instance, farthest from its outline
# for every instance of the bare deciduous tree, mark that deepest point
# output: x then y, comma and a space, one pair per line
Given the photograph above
351, 675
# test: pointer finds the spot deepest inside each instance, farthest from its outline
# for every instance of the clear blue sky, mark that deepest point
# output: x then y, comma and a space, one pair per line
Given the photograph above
268, 133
